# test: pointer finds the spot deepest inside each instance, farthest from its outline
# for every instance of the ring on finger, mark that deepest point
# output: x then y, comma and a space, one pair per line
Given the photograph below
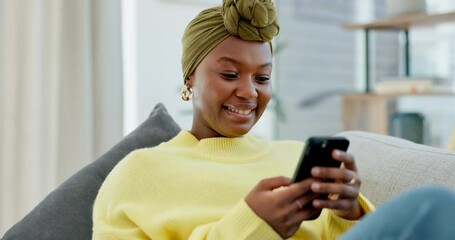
299, 204
334, 196
352, 181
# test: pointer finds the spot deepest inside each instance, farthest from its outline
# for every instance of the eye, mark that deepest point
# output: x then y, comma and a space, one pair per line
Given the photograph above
230, 76
263, 79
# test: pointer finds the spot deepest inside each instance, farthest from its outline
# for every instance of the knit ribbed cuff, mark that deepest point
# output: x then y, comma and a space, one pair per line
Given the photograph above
340, 225
243, 223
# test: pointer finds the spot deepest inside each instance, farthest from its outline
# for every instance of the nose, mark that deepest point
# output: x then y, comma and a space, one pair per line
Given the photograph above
247, 89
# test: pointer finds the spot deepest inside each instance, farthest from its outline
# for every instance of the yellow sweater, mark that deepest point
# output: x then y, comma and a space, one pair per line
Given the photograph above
191, 189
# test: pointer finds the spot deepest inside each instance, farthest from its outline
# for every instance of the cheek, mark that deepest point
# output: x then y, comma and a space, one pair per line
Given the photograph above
265, 94
206, 95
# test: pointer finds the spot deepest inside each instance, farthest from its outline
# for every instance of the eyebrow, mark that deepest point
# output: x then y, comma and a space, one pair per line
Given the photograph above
235, 62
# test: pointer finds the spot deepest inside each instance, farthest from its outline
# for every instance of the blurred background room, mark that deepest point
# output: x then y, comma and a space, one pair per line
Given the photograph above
78, 75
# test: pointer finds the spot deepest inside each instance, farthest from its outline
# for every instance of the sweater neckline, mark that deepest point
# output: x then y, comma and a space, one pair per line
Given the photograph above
225, 149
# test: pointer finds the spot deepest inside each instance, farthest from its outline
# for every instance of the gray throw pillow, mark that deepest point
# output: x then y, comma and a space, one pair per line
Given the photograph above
66, 213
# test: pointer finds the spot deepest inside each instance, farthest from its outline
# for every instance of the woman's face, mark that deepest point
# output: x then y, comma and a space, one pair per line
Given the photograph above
231, 88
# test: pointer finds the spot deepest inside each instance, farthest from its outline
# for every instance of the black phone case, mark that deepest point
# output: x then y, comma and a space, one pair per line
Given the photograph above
318, 152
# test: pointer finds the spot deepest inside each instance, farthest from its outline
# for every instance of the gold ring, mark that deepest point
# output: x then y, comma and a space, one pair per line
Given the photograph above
352, 182
299, 204
334, 196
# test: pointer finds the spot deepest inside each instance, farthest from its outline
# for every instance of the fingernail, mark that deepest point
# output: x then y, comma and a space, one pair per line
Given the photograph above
315, 171
316, 203
315, 186
337, 153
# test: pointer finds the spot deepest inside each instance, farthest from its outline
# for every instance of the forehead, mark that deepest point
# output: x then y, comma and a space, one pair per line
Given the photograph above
252, 52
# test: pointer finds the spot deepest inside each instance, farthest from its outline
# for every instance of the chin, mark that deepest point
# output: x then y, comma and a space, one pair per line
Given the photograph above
235, 129
237, 132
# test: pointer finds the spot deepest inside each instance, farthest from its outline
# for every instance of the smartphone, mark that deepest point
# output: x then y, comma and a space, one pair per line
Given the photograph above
318, 152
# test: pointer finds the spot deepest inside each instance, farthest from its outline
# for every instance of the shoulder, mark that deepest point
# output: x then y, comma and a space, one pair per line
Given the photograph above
142, 158
135, 164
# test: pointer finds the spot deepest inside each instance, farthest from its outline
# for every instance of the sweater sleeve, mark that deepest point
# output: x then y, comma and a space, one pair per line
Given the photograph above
334, 226
239, 223
119, 212
110, 220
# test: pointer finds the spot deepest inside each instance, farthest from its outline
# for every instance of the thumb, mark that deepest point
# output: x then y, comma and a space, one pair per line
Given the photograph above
273, 183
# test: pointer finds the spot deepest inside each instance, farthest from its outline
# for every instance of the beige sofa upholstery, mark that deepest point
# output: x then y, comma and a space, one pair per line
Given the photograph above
389, 165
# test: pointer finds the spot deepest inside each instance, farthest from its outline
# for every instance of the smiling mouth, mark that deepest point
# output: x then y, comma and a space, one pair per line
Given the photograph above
242, 109
238, 111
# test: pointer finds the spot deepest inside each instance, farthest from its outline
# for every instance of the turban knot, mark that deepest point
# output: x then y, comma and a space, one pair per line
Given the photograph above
251, 20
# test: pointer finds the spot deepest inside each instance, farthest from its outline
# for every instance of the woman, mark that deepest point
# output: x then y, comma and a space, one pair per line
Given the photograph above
215, 181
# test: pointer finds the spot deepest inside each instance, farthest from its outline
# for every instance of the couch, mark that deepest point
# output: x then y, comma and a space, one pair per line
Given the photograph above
388, 166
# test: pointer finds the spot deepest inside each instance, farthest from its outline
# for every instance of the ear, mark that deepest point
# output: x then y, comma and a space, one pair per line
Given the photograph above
189, 80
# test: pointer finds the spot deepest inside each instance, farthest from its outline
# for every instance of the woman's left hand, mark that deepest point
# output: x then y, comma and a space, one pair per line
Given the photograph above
343, 191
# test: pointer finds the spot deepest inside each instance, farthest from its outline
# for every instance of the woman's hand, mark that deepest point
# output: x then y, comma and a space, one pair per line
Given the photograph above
284, 205
281, 204
343, 192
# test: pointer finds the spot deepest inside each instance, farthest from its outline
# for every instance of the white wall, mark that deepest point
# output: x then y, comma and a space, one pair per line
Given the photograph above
157, 74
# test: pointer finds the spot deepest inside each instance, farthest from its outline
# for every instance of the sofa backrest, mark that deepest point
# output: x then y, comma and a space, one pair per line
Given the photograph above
389, 165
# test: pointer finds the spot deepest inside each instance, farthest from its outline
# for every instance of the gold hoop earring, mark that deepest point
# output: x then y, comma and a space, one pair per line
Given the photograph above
187, 93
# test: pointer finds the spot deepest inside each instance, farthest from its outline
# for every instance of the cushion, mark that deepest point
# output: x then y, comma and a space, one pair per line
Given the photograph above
66, 213
389, 166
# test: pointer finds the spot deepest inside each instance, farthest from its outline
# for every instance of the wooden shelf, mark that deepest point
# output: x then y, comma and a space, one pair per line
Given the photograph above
404, 22
371, 112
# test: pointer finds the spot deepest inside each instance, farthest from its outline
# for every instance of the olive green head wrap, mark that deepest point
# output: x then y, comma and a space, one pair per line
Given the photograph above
251, 20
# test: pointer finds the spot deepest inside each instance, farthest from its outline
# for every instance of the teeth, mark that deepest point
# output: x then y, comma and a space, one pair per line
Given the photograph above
243, 112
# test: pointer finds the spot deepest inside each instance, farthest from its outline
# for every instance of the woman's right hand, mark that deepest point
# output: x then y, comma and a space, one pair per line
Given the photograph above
281, 204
